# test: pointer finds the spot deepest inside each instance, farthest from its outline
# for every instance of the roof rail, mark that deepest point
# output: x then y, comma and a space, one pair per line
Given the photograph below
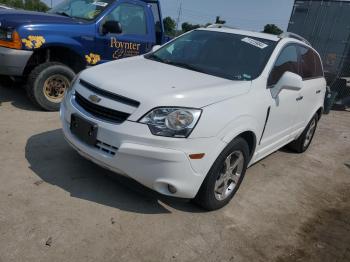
220, 26
295, 36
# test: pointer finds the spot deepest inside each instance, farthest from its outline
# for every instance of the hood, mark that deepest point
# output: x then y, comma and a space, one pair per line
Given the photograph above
14, 18
156, 84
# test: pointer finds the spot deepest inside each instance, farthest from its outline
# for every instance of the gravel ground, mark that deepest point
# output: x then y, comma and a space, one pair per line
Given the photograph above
57, 206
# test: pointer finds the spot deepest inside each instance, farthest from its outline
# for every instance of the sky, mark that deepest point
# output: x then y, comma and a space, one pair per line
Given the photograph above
244, 14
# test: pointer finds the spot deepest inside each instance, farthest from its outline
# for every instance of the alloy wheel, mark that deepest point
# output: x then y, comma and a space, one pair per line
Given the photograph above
310, 133
229, 175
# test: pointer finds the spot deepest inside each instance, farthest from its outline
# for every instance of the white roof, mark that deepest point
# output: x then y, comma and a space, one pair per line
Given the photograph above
244, 32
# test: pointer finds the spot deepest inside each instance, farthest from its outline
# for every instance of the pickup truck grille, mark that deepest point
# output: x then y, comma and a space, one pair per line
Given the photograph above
101, 112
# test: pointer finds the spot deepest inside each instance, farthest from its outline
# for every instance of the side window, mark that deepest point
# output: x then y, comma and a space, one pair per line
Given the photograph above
308, 63
286, 62
131, 17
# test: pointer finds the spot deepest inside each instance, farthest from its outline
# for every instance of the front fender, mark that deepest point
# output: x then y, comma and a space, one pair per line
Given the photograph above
33, 42
238, 126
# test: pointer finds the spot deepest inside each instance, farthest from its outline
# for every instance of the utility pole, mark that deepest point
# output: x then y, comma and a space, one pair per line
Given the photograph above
179, 16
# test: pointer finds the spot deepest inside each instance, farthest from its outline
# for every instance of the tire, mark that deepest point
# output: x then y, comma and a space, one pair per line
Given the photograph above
210, 196
47, 83
5, 81
303, 142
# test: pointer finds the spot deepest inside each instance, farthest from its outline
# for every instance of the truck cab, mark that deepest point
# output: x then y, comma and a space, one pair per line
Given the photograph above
49, 49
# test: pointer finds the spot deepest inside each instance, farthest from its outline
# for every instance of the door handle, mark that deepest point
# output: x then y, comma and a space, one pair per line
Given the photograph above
318, 91
300, 98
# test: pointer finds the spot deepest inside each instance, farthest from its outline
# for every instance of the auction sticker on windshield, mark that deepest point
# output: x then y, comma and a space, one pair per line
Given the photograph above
254, 42
103, 4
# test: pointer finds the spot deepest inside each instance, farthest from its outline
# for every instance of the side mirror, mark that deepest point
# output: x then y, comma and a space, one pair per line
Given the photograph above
288, 81
113, 27
155, 48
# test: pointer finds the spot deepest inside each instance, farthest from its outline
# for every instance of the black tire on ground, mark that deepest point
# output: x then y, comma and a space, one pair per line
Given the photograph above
5, 81
37, 80
206, 196
300, 145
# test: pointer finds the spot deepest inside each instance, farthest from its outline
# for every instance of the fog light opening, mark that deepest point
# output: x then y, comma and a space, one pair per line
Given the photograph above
172, 189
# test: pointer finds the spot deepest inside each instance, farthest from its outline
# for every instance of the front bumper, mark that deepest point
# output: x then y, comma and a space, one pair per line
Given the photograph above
156, 162
12, 61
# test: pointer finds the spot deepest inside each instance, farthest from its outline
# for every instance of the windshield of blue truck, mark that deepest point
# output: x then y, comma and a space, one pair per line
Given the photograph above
226, 55
81, 9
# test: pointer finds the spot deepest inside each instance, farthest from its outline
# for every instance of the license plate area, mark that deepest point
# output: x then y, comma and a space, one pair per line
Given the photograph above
84, 130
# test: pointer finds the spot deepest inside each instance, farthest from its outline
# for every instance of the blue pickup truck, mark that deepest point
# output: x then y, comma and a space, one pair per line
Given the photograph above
49, 49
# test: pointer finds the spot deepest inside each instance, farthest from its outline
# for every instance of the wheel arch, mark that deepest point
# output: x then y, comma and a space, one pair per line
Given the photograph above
246, 127
250, 138
56, 53
319, 113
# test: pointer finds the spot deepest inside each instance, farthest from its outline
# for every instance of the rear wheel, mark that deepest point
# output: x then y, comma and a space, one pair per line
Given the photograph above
225, 176
47, 84
303, 142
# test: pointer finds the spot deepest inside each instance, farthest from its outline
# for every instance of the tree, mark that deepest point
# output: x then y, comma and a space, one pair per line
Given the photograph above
272, 29
169, 26
188, 27
12, 3
219, 21
33, 5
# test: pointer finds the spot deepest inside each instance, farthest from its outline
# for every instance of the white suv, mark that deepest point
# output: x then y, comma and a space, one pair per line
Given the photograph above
187, 119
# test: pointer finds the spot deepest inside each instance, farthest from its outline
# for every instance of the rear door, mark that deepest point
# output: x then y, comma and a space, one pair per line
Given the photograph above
313, 88
138, 34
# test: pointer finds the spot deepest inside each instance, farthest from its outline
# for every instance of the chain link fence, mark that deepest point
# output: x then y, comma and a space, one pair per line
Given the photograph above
326, 25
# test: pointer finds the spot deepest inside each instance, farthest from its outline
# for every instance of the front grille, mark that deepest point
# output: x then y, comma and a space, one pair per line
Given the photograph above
107, 94
101, 112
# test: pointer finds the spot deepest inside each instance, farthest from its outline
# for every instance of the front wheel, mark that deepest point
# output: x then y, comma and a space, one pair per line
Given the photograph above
47, 84
225, 176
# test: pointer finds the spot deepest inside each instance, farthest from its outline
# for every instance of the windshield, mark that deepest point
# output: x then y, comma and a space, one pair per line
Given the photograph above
81, 9
226, 55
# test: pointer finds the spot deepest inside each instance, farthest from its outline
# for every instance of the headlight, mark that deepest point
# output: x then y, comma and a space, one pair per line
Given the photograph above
5, 34
172, 121
70, 89
10, 39
74, 81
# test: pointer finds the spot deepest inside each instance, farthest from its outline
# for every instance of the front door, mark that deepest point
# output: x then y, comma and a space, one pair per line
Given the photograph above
138, 32
283, 110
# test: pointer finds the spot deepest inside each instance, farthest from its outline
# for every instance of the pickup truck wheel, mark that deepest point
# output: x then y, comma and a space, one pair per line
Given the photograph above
47, 84
225, 176
303, 142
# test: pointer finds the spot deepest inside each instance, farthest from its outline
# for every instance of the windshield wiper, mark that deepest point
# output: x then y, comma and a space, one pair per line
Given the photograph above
63, 14
184, 65
179, 64
156, 58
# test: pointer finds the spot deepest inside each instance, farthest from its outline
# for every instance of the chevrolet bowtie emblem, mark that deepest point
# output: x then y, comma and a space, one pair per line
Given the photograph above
95, 99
